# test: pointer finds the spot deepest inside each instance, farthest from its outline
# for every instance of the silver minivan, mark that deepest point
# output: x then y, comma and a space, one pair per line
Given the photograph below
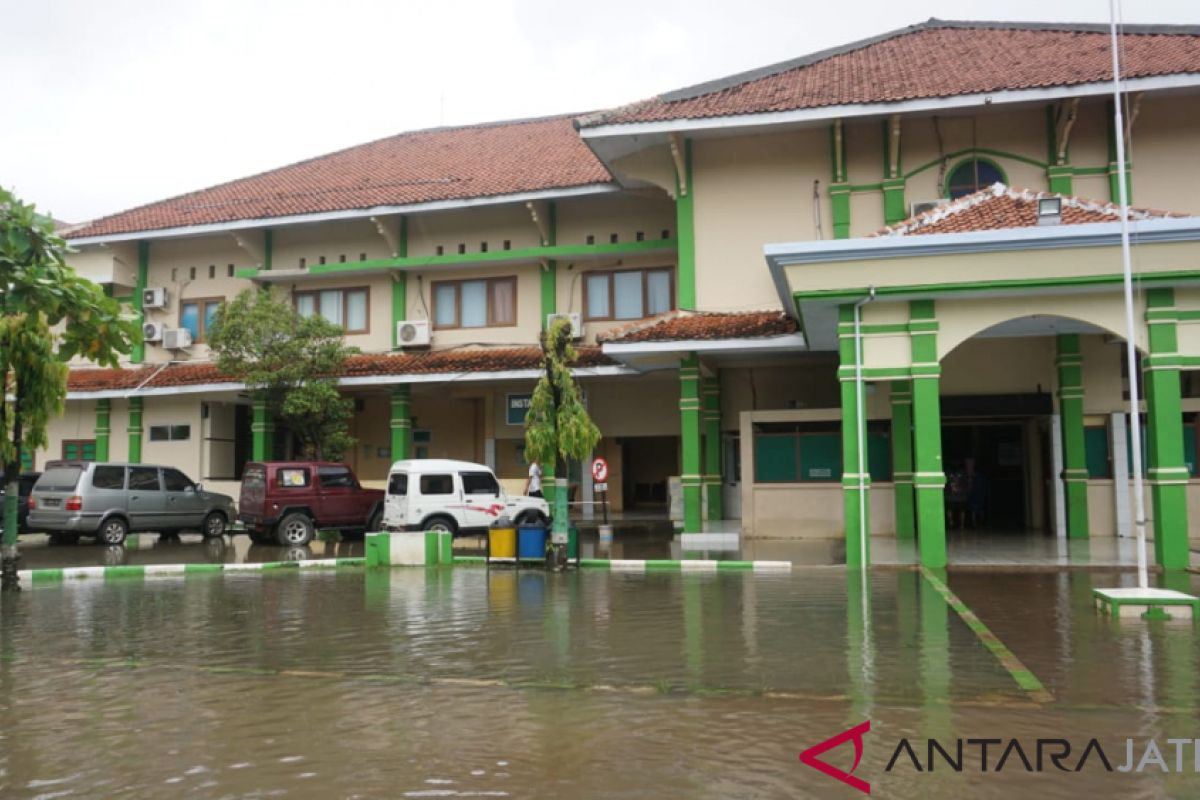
108, 501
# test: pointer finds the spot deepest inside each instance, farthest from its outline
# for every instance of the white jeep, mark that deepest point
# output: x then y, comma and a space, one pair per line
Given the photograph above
437, 494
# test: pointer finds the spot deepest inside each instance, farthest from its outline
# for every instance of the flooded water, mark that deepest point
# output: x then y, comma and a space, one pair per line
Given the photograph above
470, 682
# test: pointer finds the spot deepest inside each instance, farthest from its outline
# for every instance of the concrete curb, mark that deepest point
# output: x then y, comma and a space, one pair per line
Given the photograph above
143, 571
659, 565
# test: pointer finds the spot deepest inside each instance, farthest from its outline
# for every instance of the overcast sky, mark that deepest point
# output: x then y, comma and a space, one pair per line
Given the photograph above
108, 104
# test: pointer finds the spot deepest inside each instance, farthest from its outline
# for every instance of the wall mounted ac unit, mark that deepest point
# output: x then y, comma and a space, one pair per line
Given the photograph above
921, 206
575, 319
152, 331
412, 333
154, 297
176, 338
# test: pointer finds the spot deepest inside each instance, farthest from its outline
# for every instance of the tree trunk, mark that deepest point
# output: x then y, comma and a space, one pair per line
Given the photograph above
9, 554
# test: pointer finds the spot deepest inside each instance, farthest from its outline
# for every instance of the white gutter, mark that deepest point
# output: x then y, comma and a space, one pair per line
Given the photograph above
762, 344
1046, 237
924, 105
365, 380
350, 213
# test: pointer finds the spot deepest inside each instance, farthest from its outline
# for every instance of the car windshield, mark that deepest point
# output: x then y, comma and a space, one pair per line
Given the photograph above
59, 479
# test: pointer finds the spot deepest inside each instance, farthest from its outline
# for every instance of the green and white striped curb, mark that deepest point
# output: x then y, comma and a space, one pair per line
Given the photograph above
1020, 673
144, 571
663, 565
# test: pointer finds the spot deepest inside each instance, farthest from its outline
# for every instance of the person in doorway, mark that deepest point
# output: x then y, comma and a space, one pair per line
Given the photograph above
976, 495
533, 486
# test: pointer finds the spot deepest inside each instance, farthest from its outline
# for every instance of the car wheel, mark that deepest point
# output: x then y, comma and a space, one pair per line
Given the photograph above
113, 531
440, 524
294, 530
214, 525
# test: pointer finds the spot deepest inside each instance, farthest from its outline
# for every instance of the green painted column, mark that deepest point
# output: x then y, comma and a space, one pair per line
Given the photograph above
712, 446
856, 508
929, 477
685, 228
262, 431
401, 422
549, 286
1061, 179
400, 285
1070, 407
103, 428
135, 430
902, 459
1167, 472
689, 420
137, 353
894, 207
268, 247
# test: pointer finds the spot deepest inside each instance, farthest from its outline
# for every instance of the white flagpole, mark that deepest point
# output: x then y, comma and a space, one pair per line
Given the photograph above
1131, 357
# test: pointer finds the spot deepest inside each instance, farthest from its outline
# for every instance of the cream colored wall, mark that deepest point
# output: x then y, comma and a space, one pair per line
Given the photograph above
218, 432
78, 421
171, 262
189, 455
456, 423
625, 214
529, 306
330, 240
652, 166
810, 383
471, 228
372, 428
1000, 366
1162, 151
749, 191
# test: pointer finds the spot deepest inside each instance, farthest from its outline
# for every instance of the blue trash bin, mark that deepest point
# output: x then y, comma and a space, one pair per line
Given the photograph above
531, 542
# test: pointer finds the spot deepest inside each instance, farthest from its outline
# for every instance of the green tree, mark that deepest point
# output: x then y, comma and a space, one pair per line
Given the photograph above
290, 360
557, 426
49, 316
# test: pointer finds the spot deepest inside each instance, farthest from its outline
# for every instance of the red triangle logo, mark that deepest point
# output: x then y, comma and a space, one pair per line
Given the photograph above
855, 734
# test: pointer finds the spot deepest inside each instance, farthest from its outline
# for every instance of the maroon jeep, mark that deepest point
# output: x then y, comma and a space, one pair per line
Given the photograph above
288, 501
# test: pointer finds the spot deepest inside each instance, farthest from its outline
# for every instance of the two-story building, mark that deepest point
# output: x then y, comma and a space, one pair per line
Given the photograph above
927, 213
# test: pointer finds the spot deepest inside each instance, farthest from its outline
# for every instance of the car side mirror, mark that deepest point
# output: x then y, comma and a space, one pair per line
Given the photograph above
197, 487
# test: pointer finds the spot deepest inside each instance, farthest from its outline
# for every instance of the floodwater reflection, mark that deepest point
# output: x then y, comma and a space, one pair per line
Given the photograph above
470, 682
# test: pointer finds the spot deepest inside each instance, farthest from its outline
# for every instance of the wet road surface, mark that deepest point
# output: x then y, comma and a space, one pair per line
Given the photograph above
469, 682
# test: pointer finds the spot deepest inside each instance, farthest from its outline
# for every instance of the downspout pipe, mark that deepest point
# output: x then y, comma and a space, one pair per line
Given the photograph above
860, 433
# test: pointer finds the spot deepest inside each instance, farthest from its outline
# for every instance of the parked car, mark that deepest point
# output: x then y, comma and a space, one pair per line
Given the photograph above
108, 501
27, 480
291, 500
438, 494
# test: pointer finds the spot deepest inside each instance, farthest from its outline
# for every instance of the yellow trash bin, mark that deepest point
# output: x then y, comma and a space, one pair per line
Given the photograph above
502, 543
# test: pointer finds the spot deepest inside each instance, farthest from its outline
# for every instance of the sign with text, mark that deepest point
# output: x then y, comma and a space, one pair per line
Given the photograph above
517, 406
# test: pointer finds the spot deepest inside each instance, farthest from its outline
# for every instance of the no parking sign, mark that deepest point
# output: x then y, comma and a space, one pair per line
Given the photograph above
599, 470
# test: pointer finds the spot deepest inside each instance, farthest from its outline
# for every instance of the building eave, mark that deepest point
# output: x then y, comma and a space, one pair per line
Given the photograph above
347, 214
748, 345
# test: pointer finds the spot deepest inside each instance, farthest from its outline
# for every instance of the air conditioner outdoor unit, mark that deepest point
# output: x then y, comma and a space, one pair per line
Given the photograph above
921, 206
154, 297
152, 331
574, 317
412, 333
176, 338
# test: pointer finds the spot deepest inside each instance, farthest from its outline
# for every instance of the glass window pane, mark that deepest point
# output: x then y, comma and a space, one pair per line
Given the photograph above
210, 313
176, 481
504, 302
398, 484
597, 296
443, 304
627, 295
474, 304
189, 317
144, 479
159, 433
356, 310
293, 477
108, 478
331, 305
181, 433
306, 304
480, 483
658, 292
437, 484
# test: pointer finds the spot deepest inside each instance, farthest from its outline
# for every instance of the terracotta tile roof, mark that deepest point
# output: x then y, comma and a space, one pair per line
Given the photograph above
680, 326
1000, 206
422, 166
428, 363
937, 58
